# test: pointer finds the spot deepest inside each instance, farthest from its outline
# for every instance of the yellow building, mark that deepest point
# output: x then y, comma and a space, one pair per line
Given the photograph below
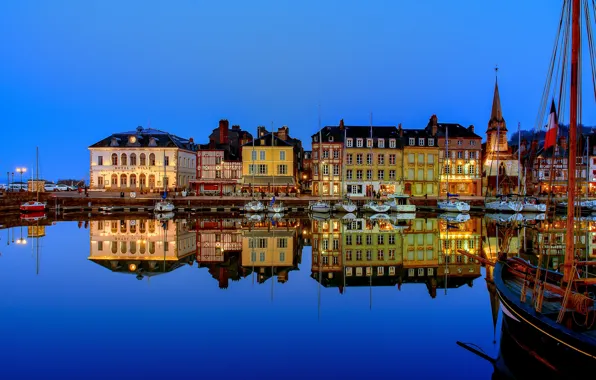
268, 165
270, 250
420, 162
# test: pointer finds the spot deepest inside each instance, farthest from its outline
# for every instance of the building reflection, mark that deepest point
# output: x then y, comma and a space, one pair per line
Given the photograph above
142, 247
233, 249
364, 252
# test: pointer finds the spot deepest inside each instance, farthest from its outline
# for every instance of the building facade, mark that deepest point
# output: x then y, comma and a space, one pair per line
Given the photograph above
327, 161
460, 172
268, 166
420, 161
215, 175
142, 160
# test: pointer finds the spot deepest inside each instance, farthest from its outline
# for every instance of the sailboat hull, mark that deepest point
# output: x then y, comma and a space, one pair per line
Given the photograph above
449, 206
560, 346
376, 208
163, 207
345, 207
504, 206
33, 206
528, 207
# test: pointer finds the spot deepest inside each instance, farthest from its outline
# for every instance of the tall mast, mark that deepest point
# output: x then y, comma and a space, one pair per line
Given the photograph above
518, 158
447, 158
371, 154
319, 171
36, 172
343, 164
573, 105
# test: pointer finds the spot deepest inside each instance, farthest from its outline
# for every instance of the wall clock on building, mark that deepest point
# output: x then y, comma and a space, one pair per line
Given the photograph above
132, 139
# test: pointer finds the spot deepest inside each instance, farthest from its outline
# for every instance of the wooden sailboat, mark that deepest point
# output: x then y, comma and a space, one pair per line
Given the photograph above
452, 203
35, 206
529, 204
551, 310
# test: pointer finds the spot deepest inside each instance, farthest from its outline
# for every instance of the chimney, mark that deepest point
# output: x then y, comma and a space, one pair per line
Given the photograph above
471, 128
223, 131
283, 132
434, 125
191, 140
563, 143
400, 130
341, 125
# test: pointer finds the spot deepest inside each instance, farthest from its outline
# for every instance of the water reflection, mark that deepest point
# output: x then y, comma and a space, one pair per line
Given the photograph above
365, 258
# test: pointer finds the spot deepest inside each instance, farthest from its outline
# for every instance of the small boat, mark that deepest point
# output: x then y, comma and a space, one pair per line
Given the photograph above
275, 208
453, 204
376, 207
379, 217
345, 205
532, 204
401, 203
585, 207
165, 216
455, 218
255, 217
110, 209
275, 215
33, 206
505, 218
505, 203
319, 207
254, 206
348, 217
164, 206
33, 216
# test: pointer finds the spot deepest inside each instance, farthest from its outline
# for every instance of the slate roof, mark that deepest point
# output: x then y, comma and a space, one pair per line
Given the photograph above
455, 131
267, 140
145, 136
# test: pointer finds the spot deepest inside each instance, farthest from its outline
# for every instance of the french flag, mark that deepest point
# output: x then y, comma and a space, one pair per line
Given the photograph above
551, 128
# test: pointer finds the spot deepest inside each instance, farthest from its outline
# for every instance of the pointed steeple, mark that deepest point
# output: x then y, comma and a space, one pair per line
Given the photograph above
496, 125
496, 113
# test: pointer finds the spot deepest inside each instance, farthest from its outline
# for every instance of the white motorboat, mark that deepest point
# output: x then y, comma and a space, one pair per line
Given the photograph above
380, 217
505, 204
531, 204
164, 216
275, 215
345, 205
164, 206
453, 205
255, 217
505, 218
376, 207
401, 203
319, 207
254, 206
455, 218
348, 217
275, 207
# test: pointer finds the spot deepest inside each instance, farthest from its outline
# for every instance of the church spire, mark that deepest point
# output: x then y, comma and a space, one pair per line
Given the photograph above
496, 115
496, 133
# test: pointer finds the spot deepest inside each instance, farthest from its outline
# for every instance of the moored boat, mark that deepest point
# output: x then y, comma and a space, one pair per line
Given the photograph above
401, 203
376, 207
33, 206
319, 207
254, 206
453, 204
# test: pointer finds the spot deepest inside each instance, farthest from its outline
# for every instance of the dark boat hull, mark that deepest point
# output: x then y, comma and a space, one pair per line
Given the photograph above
555, 346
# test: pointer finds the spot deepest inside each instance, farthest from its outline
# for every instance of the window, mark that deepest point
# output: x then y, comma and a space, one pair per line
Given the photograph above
472, 169
349, 159
392, 254
421, 158
349, 255
358, 255
335, 170
325, 153
412, 141
282, 243
359, 239
350, 143
166, 161
369, 255
325, 169
381, 239
100, 160
369, 174
369, 158
421, 141
381, 159
431, 142
391, 239
254, 155
282, 169
431, 159
391, 174
459, 142
349, 174
262, 256
262, 155
114, 159
472, 142
100, 181
282, 256
411, 158
472, 155
143, 159
392, 271
359, 143
446, 169
152, 159
336, 154
391, 143
368, 239
381, 143
459, 169
359, 159
381, 175
349, 240
369, 143
282, 155
392, 159
133, 159
262, 169
460, 154
358, 174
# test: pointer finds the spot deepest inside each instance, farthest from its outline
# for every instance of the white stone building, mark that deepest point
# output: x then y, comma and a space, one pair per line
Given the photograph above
142, 160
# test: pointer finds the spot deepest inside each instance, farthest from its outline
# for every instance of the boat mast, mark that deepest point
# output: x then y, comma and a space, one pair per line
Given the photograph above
320, 169
518, 158
371, 155
447, 158
37, 172
344, 155
573, 106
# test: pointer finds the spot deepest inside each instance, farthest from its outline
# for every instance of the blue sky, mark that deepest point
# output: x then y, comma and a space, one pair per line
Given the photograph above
73, 72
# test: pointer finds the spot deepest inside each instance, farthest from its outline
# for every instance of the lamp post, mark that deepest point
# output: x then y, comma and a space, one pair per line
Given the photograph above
12, 181
21, 171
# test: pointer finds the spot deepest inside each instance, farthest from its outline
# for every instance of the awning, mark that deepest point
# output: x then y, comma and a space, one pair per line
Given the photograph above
268, 181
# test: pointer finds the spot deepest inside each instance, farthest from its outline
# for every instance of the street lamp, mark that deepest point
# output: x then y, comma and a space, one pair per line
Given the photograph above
21, 171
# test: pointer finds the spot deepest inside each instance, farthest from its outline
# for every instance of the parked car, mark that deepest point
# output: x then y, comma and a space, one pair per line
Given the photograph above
50, 186
61, 187
72, 187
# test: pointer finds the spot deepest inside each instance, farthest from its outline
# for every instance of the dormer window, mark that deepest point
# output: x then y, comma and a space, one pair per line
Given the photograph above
349, 143
421, 141
391, 143
330, 138
431, 142
359, 143
381, 143
412, 141
315, 139
369, 143
114, 141
459, 142
152, 141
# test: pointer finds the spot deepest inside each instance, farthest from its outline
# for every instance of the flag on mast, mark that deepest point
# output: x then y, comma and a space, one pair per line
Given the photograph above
551, 128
